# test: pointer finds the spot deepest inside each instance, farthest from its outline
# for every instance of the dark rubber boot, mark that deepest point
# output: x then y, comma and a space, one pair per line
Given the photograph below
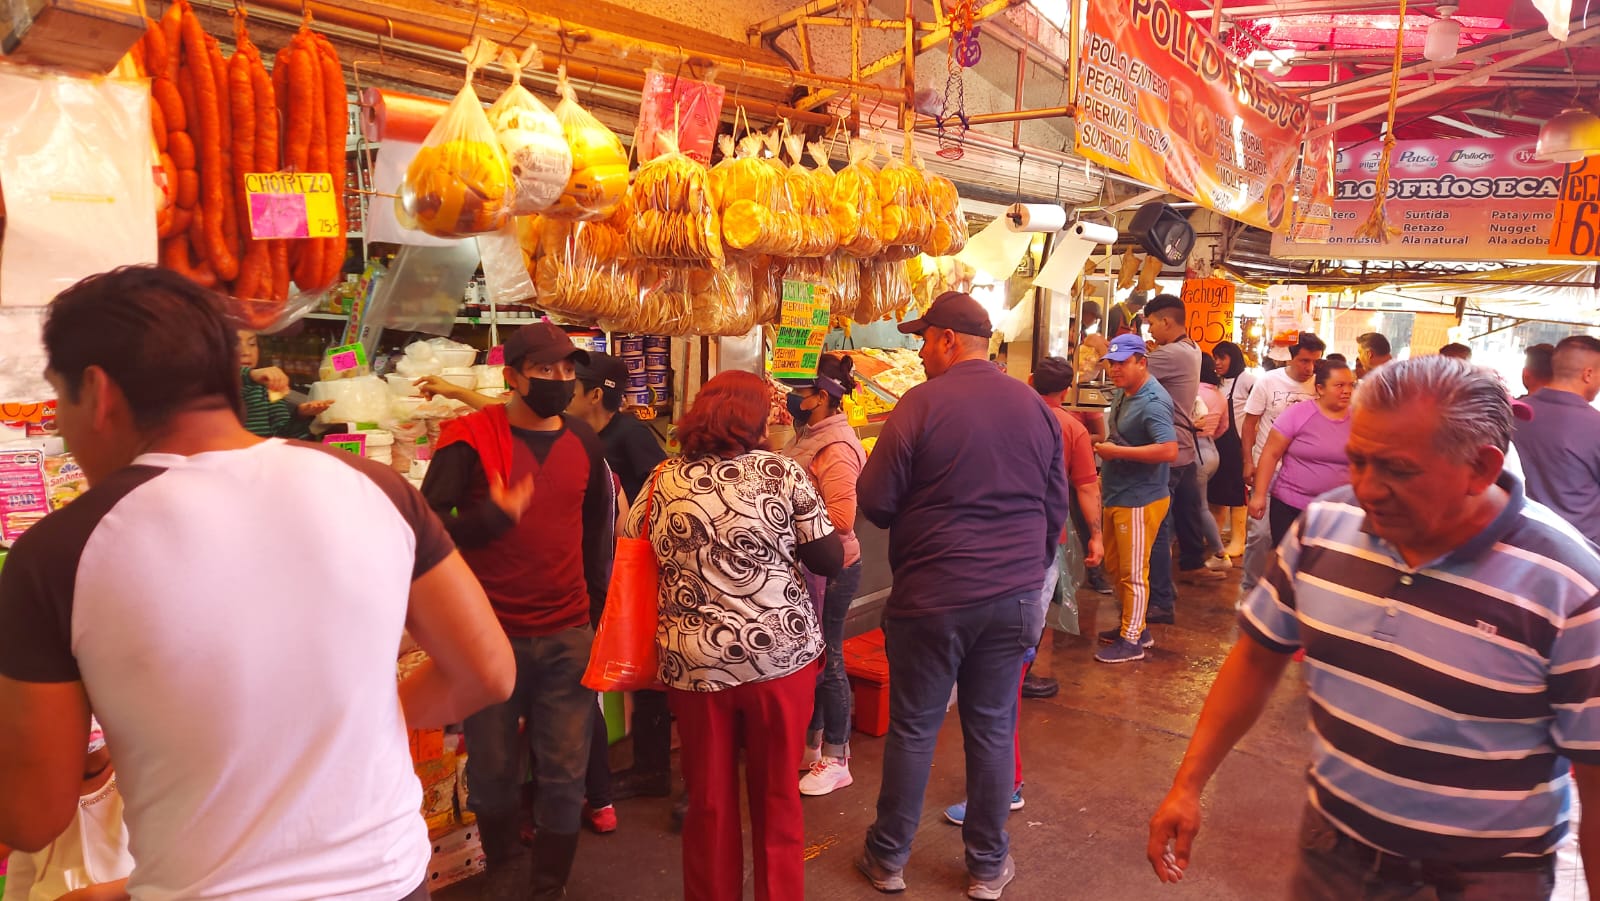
553, 854
506, 878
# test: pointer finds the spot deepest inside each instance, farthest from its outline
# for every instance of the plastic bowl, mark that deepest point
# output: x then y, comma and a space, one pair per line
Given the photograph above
461, 376
401, 386
455, 357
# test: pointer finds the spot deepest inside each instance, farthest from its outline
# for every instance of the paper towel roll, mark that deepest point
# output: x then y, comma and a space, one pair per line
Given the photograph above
1036, 217
1094, 231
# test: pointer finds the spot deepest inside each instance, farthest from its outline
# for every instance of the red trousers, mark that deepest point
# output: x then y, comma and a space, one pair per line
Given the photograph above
767, 721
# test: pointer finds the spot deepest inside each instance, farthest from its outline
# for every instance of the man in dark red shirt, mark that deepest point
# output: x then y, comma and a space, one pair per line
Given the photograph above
525, 492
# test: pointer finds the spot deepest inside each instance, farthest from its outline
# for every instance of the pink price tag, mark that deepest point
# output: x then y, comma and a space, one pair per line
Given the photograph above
497, 356
344, 362
278, 216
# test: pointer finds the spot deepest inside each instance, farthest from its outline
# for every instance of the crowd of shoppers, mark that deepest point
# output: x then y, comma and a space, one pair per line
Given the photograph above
1394, 491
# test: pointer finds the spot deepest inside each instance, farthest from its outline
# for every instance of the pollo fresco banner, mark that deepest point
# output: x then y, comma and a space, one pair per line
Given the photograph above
1162, 101
1452, 199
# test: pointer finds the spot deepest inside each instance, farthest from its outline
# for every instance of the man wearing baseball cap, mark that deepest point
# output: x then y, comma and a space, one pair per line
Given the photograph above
1142, 445
631, 448
525, 492
967, 478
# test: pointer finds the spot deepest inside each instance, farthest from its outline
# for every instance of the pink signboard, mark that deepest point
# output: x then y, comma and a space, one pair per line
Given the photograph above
1463, 199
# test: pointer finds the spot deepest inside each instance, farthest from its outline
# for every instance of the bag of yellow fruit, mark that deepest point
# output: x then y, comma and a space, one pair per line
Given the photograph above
599, 164
949, 234
856, 210
907, 218
459, 183
809, 197
533, 139
674, 219
745, 198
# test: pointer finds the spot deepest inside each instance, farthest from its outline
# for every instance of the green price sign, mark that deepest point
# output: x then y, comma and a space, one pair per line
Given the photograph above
802, 326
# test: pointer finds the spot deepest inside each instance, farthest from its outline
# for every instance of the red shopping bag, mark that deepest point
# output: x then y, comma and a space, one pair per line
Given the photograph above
623, 657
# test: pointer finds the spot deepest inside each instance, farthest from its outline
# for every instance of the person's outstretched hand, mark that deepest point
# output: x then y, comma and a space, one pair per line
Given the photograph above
312, 408
272, 378
514, 500
1172, 832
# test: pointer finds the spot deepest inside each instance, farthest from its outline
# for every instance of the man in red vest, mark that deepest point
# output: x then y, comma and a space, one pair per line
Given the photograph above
525, 492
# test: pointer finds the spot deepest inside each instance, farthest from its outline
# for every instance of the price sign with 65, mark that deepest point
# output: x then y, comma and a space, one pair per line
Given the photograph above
292, 205
1576, 232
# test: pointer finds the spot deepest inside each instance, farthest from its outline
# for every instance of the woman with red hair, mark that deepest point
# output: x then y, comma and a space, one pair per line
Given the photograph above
731, 522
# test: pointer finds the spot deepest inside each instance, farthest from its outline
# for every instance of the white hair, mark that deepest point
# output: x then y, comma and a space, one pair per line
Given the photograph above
1474, 406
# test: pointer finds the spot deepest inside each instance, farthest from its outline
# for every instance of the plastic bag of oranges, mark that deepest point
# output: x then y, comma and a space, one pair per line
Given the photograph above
856, 209
599, 164
907, 216
674, 219
459, 184
949, 233
810, 198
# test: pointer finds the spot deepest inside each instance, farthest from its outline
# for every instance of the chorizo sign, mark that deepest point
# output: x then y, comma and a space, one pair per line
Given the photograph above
1161, 100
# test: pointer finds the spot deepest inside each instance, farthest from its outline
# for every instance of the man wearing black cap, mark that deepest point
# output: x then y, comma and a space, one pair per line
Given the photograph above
633, 452
631, 448
967, 478
526, 493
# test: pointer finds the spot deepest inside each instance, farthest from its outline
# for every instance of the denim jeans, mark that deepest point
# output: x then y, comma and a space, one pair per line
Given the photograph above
1206, 448
1257, 548
831, 714
1333, 867
1183, 516
559, 713
979, 652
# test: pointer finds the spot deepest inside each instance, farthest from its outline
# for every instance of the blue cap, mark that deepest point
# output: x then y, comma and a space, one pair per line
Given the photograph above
1123, 347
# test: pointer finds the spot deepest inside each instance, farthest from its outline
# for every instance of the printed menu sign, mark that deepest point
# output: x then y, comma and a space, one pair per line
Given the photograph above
1452, 199
1209, 302
802, 326
1161, 100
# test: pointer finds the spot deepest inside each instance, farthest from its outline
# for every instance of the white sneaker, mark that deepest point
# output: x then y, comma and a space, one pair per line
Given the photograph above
810, 758
1219, 563
827, 775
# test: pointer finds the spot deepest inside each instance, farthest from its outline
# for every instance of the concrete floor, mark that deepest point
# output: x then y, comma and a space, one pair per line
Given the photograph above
1097, 760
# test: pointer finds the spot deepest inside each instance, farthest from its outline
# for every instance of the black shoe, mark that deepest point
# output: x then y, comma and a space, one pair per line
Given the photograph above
1162, 618
1039, 687
1097, 581
1112, 636
635, 784
506, 874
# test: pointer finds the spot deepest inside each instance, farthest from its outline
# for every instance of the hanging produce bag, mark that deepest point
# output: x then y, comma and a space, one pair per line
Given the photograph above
504, 272
811, 198
949, 233
624, 656
599, 164
885, 290
688, 110
674, 218
533, 139
856, 210
753, 202
581, 271
906, 213
459, 184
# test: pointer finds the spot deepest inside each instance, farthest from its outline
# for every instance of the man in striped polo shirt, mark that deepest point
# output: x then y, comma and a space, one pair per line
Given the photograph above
1452, 636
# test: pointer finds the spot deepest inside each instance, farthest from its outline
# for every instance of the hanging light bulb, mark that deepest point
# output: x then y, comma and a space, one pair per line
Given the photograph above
1569, 137
1444, 35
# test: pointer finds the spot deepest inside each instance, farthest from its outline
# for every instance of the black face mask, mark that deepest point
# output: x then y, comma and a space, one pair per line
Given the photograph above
548, 397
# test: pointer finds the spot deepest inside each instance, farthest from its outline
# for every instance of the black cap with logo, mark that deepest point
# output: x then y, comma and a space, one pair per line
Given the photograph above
603, 371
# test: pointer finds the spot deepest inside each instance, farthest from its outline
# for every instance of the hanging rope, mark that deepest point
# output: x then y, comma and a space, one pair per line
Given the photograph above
1377, 227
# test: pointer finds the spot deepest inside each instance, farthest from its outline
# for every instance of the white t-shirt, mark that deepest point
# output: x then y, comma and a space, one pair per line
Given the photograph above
235, 617
1273, 393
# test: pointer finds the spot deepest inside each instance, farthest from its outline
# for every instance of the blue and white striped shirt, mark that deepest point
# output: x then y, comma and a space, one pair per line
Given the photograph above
1446, 699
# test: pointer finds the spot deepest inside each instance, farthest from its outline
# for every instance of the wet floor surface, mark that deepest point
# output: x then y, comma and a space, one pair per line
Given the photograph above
1097, 759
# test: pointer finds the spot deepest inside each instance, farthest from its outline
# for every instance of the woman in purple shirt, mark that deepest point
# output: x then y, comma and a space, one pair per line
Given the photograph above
1309, 439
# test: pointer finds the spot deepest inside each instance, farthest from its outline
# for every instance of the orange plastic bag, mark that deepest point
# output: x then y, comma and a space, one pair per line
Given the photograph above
624, 655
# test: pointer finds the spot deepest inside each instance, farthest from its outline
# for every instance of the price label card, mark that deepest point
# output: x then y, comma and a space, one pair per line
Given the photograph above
1576, 232
496, 357
1209, 302
350, 444
347, 357
292, 205
802, 326
23, 496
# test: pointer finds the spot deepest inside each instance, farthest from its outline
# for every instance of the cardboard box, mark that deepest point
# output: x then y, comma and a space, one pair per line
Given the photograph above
85, 35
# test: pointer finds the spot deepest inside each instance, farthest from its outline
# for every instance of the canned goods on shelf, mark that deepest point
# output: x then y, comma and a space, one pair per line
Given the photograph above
639, 398
635, 364
656, 379
631, 345
655, 360
657, 343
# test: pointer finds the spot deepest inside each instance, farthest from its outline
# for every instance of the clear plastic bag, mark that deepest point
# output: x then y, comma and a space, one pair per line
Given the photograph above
599, 179
856, 210
459, 183
534, 142
674, 219
720, 303
949, 235
885, 290
810, 197
664, 307
747, 195
906, 214
835, 277
582, 272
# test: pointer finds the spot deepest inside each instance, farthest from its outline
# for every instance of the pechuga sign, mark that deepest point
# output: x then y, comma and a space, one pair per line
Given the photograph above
1161, 100
1464, 199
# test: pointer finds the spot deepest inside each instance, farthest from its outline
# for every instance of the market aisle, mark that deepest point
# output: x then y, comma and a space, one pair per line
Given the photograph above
1098, 757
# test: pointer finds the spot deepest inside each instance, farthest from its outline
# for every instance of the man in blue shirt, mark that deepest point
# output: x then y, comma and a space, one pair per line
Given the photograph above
967, 478
1133, 477
1449, 631
1560, 445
